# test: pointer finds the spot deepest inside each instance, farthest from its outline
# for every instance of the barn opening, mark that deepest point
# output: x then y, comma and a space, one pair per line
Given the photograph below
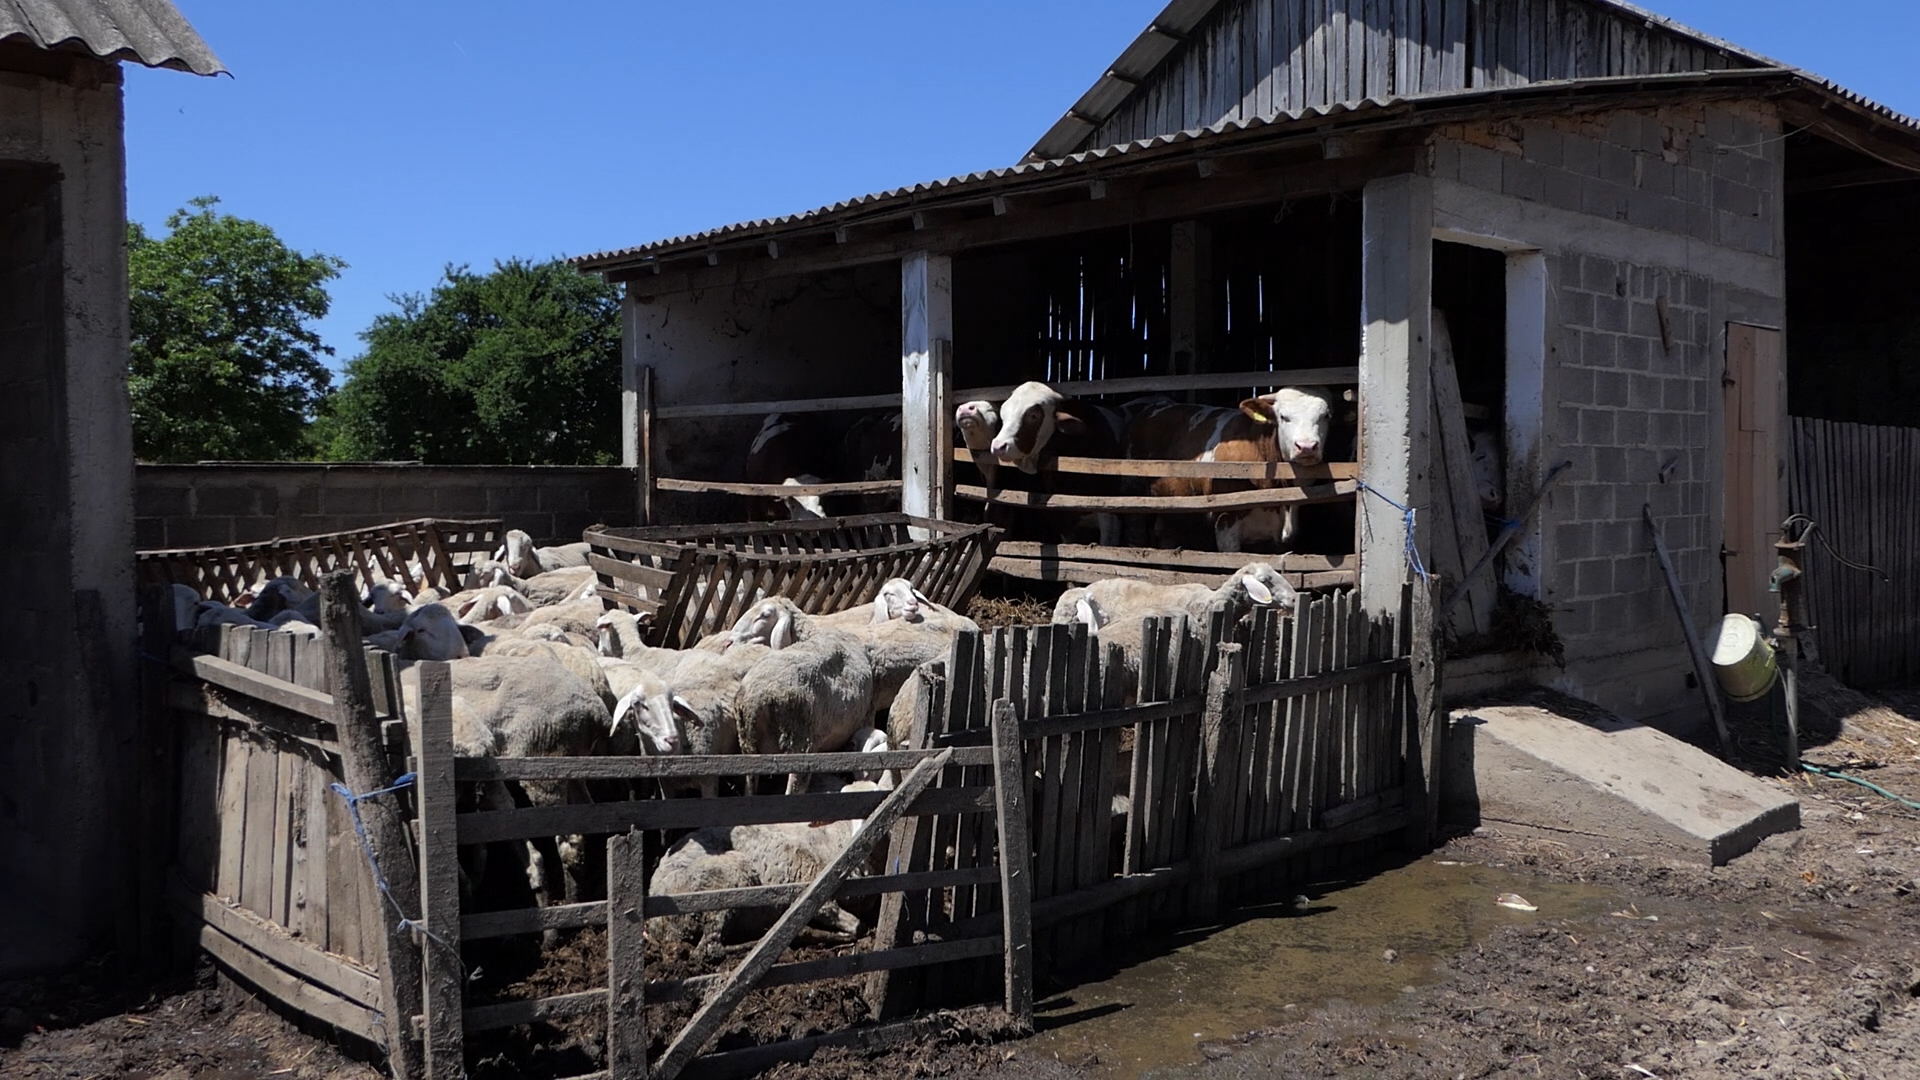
1853, 329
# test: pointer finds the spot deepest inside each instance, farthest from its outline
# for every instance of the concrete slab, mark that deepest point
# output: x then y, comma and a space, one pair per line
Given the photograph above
1580, 770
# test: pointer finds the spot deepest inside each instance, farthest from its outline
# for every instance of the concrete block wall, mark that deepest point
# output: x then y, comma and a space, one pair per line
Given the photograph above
210, 505
1633, 211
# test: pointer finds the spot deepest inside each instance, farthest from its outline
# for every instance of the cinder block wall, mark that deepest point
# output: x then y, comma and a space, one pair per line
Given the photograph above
208, 505
1630, 208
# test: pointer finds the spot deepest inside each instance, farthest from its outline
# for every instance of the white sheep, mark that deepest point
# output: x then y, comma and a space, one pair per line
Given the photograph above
492, 602
812, 692
525, 560
901, 630
1124, 599
429, 632
704, 861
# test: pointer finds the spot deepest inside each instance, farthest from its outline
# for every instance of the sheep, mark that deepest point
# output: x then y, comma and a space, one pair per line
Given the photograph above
901, 630
1118, 599
536, 710
812, 692
429, 632
492, 602
577, 660
523, 559
186, 605
620, 634
702, 861
650, 709
575, 617
275, 596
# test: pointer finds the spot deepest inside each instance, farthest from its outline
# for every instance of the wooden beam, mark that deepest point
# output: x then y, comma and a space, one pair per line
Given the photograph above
364, 765
706, 1022
309, 961
486, 826
644, 767
299, 994
926, 382
1153, 504
1261, 185
627, 1037
443, 975
721, 487
1215, 470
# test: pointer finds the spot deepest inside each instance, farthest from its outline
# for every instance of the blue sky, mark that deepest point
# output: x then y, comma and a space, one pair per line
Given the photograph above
406, 136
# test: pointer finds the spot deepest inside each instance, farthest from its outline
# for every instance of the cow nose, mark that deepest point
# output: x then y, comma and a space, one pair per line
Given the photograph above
1306, 447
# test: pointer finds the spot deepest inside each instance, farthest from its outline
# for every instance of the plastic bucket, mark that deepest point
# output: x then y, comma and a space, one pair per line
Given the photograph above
1743, 658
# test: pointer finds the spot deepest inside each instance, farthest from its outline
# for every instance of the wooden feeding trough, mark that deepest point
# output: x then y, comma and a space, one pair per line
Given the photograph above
695, 580
427, 552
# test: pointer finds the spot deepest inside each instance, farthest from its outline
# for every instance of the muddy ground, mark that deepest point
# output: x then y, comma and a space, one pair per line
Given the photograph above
1800, 959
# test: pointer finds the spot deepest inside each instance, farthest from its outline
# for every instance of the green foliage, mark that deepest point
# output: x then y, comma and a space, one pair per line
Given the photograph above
520, 366
222, 362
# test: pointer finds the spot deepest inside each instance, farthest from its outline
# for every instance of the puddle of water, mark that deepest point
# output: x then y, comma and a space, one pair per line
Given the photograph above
1154, 1013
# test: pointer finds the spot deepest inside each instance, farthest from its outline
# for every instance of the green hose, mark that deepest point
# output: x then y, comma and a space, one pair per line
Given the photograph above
1837, 775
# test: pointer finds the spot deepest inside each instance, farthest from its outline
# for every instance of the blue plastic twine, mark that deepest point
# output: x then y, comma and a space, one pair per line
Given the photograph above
1407, 516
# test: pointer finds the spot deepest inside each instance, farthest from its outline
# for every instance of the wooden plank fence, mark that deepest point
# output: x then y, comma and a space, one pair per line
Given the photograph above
1054, 802
1861, 484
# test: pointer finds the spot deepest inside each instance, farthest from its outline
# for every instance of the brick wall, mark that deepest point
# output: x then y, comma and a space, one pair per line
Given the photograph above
1632, 209
210, 505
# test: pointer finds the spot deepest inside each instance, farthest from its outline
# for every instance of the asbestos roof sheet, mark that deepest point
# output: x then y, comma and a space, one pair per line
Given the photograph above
150, 32
1231, 133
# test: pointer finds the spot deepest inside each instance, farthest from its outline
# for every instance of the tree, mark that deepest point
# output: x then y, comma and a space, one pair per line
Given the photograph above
223, 364
520, 366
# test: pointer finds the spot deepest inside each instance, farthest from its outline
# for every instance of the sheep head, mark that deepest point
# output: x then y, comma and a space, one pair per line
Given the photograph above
898, 599
771, 622
655, 715
430, 632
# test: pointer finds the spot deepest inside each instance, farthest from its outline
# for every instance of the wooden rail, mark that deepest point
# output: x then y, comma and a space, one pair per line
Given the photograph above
1276, 471
780, 491
1169, 504
1335, 376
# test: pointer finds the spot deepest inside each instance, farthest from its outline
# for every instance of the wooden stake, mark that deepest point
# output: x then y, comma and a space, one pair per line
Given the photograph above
1215, 803
1429, 723
364, 763
1016, 863
626, 948
1702, 671
158, 772
442, 1000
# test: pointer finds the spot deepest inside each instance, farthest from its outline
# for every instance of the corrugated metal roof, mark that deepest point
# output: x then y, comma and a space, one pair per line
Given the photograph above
978, 185
1171, 30
150, 32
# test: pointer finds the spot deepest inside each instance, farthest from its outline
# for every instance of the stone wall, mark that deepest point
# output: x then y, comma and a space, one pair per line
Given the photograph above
1658, 227
211, 505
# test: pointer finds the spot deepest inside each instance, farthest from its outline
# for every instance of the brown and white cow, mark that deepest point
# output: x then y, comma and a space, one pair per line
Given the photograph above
1038, 424
1288, 425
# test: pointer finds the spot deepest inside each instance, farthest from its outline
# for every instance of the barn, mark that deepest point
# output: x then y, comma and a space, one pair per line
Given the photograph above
70, 751
1558, 228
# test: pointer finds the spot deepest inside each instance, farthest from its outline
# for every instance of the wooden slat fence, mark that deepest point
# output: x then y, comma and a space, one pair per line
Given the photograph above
1861, 484
417, 554
1071, 804
265, 861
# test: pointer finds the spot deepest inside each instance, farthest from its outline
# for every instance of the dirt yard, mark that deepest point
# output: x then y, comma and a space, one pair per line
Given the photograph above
1800, 959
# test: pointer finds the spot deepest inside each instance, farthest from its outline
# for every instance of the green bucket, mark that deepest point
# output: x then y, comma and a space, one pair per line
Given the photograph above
1743, 660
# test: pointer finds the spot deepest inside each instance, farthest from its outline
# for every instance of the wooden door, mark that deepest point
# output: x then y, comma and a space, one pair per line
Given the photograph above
1753, 420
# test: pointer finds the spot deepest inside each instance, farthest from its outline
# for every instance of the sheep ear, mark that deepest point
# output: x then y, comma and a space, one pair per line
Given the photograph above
1086, 611
782, 635
504, 605
880, 609
1258, 590
620, 712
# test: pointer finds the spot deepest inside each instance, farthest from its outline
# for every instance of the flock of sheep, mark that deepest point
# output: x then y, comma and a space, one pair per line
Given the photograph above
540, 667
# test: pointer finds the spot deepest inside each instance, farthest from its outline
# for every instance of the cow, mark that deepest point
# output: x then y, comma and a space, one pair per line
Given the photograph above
788, 450
1288, 425
870, 450
1039, 425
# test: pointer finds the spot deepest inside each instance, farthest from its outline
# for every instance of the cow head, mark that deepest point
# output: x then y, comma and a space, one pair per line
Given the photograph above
1299, 417
1029, 418
978, 422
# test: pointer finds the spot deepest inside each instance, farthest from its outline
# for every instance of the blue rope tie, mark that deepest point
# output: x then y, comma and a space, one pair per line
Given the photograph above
366, 847
1407, 515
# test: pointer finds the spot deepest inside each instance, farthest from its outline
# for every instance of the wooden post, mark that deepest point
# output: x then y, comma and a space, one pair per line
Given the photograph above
1702, 670
363, 761
714, 1011
890, 994
926, 414
158, 776
1215, 802
643, 447
1429, 726
1016, 862
442, 998
626, 957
